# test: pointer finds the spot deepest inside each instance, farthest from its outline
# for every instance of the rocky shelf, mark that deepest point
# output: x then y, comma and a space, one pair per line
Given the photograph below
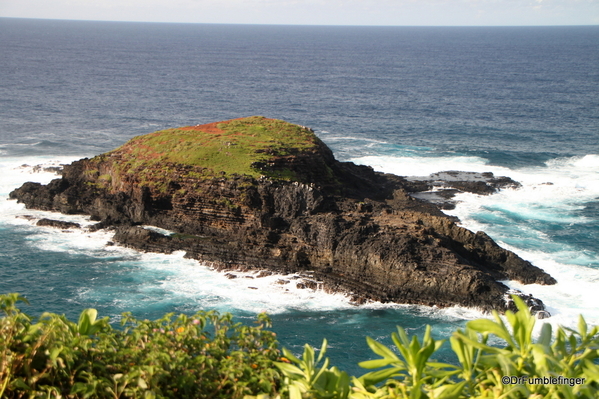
263, 194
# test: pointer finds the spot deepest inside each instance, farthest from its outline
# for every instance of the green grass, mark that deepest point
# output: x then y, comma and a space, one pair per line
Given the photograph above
232, 148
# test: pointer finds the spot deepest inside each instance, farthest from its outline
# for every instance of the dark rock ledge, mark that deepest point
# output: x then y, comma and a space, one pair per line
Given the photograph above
351, 229
59, 224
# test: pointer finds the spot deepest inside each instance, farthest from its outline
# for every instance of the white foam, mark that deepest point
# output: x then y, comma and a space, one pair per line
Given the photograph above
515, 214
74, 241
570, 177
159, 230
16, 171
193, 283
77, 241
422, 166
575, 292
247, 292
555, 194
353, 139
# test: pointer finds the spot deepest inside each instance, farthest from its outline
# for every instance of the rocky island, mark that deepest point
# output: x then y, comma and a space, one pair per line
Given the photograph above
263, 194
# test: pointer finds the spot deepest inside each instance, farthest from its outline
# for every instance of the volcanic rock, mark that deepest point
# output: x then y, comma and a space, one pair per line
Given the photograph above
262, 194
59, 224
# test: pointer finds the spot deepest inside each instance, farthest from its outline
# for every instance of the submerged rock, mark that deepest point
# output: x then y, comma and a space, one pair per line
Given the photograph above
261, 194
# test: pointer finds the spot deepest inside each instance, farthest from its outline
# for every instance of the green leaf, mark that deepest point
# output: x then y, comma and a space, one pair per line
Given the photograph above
375, 364
440, 365
381, 349
582, 327
591, 370
545, 336
448, 391
573, 342
459, 349
308, 357
8, 301
322, 370
142, 383
486, 326
19, 383
520, 305
294, 392
289, 370
542, 359
86, 320
403, 337
55, 352
468, 341
374, 377
289, 355
323, 350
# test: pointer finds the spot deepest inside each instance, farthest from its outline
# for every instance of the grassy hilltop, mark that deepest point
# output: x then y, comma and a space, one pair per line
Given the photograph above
238, 146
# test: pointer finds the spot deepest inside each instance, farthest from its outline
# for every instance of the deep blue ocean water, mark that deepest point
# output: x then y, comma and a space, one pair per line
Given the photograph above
519, 101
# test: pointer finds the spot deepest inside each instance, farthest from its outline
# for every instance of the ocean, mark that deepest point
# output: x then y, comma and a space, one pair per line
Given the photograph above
521, 102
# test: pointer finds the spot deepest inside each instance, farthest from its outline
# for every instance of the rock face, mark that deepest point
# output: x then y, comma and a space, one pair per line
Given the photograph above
292, 208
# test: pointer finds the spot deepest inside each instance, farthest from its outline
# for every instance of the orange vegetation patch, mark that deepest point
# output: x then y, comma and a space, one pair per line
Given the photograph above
207, 128
212, 128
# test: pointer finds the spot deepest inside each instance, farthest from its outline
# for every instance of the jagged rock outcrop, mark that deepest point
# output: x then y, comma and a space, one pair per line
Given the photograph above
291, 208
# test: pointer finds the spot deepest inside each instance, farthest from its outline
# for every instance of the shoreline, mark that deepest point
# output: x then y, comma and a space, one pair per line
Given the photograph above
359, 232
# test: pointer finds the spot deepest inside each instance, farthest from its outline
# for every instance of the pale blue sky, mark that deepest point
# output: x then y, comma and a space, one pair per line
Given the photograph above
316, 12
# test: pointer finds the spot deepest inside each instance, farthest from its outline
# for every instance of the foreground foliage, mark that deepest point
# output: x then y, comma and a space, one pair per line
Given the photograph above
515, 366
202, 356
209, 356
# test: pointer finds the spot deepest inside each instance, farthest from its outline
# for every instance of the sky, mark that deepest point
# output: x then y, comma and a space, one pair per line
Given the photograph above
316, 12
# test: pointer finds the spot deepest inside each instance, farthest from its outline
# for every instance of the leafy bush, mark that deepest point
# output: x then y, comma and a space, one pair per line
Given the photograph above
203, 356
209, 356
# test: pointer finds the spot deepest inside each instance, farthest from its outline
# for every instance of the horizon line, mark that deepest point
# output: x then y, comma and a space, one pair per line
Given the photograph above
297, 25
